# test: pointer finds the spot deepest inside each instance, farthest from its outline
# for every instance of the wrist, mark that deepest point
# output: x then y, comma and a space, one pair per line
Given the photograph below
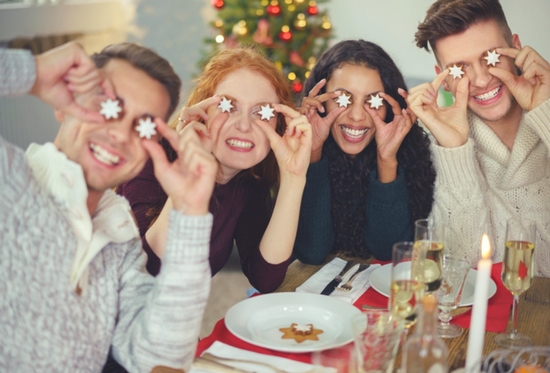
316, 155
387, 170
190, 210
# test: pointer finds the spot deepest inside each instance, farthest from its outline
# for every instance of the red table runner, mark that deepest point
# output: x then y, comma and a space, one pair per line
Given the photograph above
498, 312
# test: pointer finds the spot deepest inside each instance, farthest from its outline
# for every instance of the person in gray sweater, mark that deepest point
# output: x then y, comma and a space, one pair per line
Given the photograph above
73, 284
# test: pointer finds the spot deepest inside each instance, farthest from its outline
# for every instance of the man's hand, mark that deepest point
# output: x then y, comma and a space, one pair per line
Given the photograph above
189, 180
64, 71
449, 125
312, 105
532, 87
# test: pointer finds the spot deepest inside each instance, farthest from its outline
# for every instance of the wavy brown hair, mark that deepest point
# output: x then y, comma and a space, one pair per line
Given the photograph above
350, 176
450, 17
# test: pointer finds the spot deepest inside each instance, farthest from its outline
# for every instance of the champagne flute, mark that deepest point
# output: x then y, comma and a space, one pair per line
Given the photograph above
450, 293
517, 273
428, 240
405, 289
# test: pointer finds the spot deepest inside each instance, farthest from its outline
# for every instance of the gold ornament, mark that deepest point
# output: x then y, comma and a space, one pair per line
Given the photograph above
300, 23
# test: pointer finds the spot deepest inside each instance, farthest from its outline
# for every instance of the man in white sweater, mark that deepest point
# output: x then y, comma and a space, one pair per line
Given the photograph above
491, 147
73, 283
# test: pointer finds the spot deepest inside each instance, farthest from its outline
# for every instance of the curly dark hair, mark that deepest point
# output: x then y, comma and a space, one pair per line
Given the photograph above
348, 175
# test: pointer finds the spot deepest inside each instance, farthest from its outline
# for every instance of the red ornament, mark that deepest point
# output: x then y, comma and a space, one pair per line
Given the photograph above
296, 86
285, 36
312, 10
217, 3
274, 9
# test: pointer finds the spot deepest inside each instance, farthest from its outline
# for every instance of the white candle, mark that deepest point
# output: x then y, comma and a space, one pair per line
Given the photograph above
479, 308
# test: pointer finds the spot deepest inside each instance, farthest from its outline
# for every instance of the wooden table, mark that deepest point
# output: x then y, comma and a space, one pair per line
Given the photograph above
534, 315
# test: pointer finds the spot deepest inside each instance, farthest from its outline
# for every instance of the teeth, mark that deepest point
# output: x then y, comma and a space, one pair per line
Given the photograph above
488, 95
353, 132
103, 155
240, 144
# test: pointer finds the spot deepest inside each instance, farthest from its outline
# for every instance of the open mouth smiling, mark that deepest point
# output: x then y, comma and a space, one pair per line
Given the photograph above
239, 144
488, 95
354, 133
103, 156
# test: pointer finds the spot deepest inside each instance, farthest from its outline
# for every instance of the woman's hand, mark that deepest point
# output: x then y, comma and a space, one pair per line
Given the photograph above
389, 136
312, 105
293, 149
196, 112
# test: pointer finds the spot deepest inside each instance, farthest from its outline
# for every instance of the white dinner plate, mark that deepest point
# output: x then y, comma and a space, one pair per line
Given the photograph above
257, 320
380, 280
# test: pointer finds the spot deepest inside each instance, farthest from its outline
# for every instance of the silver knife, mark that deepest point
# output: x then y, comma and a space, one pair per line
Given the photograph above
338, 279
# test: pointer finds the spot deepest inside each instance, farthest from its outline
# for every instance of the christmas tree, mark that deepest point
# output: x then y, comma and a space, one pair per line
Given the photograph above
291, 33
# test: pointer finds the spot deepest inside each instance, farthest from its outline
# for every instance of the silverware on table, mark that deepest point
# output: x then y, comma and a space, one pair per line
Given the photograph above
348, 285
338, 279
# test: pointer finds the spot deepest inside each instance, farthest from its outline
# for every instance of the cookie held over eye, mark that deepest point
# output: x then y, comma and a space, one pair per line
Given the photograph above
266, 112
146, 128
343, 100
491, 56
110, 108
456, 71
226, 105
375, 101
301, 332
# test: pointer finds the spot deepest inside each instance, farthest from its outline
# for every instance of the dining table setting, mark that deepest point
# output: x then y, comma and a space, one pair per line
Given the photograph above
308, 319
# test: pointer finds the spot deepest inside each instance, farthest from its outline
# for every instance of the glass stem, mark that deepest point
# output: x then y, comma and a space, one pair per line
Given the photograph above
514, 330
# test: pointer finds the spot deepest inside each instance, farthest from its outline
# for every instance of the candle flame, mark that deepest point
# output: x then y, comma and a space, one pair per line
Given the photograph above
485, 247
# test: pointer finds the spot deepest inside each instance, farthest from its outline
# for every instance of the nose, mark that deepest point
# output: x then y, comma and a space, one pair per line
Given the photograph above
243, 122
479, 75
120, 131
356, 111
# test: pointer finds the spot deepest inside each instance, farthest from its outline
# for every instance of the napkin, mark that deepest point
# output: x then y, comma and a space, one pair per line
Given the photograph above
221, 349
316, 283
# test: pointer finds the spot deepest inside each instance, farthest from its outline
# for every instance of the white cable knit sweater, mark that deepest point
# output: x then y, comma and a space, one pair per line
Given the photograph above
482, 184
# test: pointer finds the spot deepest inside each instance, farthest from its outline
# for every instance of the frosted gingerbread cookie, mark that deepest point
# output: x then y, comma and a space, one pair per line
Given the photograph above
301, 332
492, 57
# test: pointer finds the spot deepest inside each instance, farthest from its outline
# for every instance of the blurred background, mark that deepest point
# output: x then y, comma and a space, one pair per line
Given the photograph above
185, 31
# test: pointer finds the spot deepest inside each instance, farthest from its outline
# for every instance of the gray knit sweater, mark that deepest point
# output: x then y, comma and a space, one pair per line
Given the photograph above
45, 326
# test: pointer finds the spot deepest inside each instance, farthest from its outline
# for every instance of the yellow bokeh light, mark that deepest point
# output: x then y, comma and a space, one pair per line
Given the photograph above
218, 23
291, 76
326, 25
285, 28
219, 39
291, 8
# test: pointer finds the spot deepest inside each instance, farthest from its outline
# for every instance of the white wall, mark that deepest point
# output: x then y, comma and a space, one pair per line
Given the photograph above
392, 24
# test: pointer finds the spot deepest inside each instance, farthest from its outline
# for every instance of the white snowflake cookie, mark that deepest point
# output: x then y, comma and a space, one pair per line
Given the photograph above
146, 128
266, 112
456, 71
375, 101
226, 105
110, 109
491, 56
343, 100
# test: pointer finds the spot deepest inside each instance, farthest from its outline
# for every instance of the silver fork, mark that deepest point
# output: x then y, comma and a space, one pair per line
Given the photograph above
348, 286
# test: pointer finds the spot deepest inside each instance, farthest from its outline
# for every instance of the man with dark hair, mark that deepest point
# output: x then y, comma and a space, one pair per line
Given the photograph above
491, 146
73, 283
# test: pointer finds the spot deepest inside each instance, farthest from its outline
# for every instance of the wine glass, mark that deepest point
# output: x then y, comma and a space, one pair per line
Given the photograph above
517, 273
341, 359
405, 289
450, 293
428, 240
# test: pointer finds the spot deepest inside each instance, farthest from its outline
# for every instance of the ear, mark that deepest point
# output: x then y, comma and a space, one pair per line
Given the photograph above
437, 69
516, 42
59, 115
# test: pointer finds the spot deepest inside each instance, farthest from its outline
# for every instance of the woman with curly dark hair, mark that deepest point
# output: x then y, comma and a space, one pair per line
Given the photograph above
370, 175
